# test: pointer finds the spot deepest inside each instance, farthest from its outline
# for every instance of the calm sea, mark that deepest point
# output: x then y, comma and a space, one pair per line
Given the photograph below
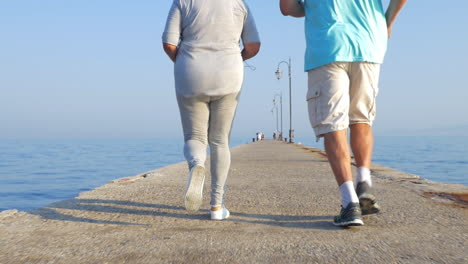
34, 173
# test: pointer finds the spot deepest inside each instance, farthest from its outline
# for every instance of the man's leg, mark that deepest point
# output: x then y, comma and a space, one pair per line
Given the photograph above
364, 78
363, 92
336, 146
328, 103
362, 142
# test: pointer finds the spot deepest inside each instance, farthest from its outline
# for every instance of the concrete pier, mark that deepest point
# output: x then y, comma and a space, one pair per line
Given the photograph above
282, 198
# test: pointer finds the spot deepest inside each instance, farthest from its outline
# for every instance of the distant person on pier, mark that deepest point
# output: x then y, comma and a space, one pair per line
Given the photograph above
202, 38
346, 41
259, 136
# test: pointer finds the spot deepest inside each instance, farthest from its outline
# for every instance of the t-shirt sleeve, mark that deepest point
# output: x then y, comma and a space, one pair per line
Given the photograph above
173, 30
249, 32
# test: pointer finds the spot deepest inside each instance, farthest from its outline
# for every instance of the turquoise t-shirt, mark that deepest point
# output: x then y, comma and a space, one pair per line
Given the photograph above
344, 30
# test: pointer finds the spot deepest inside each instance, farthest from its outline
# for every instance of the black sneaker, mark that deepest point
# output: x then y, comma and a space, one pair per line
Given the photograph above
367, 201
349, 216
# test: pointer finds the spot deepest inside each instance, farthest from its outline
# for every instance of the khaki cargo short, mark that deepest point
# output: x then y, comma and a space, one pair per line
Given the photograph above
341, 94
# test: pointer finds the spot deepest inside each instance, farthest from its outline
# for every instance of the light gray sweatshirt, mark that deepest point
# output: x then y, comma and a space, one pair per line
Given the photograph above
208, 35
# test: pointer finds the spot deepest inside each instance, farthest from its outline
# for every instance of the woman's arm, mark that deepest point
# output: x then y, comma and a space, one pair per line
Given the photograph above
250, 50
170, 50
172, 31
250, 37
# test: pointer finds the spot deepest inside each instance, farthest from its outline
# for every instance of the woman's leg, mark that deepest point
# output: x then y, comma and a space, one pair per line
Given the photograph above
194, 114
222, 111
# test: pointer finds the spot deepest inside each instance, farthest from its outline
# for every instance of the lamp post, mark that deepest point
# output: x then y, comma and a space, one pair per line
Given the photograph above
278, 76
281, 112
275, 113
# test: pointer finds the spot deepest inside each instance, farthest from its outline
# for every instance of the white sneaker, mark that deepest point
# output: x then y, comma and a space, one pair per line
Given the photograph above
194, 191
220, 214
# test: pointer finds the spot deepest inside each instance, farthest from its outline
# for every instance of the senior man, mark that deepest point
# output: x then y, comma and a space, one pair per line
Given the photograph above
346, 42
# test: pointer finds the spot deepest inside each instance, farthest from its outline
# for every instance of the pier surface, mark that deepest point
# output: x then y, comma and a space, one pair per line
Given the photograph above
282, 199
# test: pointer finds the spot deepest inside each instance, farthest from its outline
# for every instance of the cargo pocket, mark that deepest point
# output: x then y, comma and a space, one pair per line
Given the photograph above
313, 102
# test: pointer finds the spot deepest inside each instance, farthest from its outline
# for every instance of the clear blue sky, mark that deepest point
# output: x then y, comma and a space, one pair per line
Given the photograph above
96, 69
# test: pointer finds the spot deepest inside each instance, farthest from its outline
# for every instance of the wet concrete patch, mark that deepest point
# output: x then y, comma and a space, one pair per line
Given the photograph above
452, 199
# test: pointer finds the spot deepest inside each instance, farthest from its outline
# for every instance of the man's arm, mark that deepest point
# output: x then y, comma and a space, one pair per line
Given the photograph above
291, 8
394, 8
170, 50
250, 50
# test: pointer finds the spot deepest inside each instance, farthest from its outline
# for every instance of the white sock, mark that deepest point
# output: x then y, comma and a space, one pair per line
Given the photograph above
348, 194
363, 175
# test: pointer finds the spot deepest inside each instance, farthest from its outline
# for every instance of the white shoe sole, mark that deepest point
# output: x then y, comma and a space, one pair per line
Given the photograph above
194, 193
355, 222
220, 214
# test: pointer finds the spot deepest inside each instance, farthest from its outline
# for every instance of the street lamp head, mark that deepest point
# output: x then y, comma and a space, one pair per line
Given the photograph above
278, 74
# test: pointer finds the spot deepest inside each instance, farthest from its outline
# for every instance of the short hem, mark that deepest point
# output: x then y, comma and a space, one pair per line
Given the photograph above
361, 122
320, 131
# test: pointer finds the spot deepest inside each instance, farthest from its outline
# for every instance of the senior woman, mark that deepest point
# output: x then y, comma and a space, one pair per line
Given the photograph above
203, 37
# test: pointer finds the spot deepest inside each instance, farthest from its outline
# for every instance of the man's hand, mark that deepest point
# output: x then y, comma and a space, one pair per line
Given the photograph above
170, 50
394, 8
389, 31
291, 8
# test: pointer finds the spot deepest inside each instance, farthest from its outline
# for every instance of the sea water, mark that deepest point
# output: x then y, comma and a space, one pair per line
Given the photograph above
441, 159
34, 173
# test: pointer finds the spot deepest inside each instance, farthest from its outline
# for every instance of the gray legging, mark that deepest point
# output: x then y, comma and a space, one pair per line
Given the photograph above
209, 118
